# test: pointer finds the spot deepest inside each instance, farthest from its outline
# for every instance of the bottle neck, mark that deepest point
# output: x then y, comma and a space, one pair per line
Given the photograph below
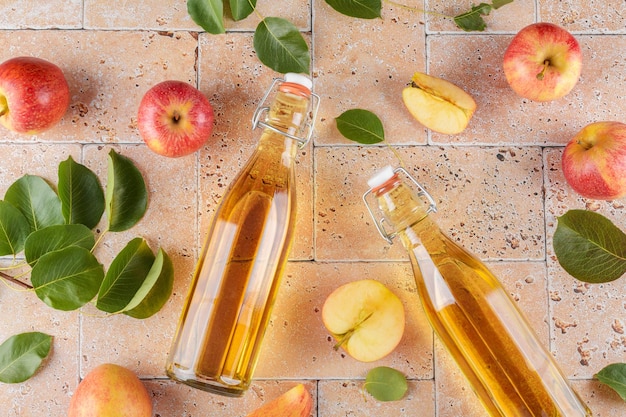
400, 205
288, 113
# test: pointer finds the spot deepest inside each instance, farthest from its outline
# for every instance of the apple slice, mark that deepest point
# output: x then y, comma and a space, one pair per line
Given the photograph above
366, 319
438, 104
297, 402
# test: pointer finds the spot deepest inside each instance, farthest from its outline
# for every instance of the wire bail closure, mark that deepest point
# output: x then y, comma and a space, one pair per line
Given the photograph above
256, 117
421, 192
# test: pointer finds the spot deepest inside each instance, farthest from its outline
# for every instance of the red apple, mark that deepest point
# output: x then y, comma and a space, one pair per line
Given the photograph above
175, 118
594, 161
542, 62
34, 94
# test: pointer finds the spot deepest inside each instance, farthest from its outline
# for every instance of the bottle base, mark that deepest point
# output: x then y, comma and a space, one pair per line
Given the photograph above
209, 385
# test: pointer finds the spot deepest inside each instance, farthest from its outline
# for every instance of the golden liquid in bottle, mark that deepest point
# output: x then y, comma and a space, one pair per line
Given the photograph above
238, 274
479, 323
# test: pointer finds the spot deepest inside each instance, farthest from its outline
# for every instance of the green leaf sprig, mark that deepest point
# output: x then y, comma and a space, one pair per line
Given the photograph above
590, 247
614, 376
54, 232
279, 44
21, 355
386, 384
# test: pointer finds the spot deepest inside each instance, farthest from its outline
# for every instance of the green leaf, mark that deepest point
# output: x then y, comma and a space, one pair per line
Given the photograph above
208, 14
14, 229
37, 201
240, 9
21, 355
614, 376
82, 198
155, 290
589, 247
53, 238
472, 20
280, 46
361, 126
126, 193
363, 9
386, 384
125, 276
67, 279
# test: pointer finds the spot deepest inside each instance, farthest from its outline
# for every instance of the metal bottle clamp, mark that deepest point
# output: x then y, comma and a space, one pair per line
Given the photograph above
421, 191
256, 117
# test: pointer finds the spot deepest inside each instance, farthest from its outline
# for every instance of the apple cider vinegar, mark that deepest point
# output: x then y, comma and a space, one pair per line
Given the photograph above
478, 322
237, 277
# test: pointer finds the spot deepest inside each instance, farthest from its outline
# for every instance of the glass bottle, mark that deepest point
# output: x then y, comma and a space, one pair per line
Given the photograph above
475, 318
218, 339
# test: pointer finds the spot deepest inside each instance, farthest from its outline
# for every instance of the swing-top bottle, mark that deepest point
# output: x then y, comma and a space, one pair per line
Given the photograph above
475, 318
218, 339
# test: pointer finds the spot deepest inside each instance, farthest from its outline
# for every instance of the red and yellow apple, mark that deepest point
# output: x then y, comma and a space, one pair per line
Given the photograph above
34, 94
438, 104
594, 161
297, 402
110, 390
543, 62
174, 118
366, 319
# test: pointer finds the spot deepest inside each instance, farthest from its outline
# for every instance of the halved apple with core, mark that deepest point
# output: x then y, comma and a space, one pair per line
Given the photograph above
438, 104
365, 318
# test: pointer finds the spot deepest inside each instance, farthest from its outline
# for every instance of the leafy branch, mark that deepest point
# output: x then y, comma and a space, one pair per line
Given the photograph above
279, 44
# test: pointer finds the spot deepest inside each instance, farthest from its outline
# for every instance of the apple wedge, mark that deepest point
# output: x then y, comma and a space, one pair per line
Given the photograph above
366, 319
438, 104
297, 402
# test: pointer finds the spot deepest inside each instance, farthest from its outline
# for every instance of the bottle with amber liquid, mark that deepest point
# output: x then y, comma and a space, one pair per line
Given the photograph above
218, 339
475, 318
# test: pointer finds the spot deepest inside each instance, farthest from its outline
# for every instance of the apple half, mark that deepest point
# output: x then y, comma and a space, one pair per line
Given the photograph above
365, 318
438, 104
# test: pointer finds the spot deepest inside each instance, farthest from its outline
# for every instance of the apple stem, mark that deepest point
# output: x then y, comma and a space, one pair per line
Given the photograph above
347, 335
542, 74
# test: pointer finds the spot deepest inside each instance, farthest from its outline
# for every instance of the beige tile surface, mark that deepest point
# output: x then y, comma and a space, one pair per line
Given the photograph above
498, 186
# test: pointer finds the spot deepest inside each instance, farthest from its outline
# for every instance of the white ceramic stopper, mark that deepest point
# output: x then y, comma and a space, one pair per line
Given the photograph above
292, 77
381, 177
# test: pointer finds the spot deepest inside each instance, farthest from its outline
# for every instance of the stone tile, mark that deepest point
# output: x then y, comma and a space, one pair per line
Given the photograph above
347, 398
54, 14
587, 319
236, 96
513, 16
173, 399
353, 69
306, 347
173, 15
601, 400
142, 345
478, 191
608, 16
105, 85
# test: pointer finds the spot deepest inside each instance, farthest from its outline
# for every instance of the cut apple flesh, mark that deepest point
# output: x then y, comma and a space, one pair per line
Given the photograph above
438, 104
366, 319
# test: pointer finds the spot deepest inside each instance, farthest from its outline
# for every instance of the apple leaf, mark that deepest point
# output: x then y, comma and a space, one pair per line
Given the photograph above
57, 237
361, 126
472, 20
155, 290
125, 276
21, 355
208, 14
67, 279
386, 384
14, 229
37, 201
280, 46
126, 193
590, 247
82, 198
240, 9
362, 9
614, 376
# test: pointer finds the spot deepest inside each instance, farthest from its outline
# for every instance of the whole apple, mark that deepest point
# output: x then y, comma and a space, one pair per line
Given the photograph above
110, 390
543, 62
34, 94
594, 161
175, 118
